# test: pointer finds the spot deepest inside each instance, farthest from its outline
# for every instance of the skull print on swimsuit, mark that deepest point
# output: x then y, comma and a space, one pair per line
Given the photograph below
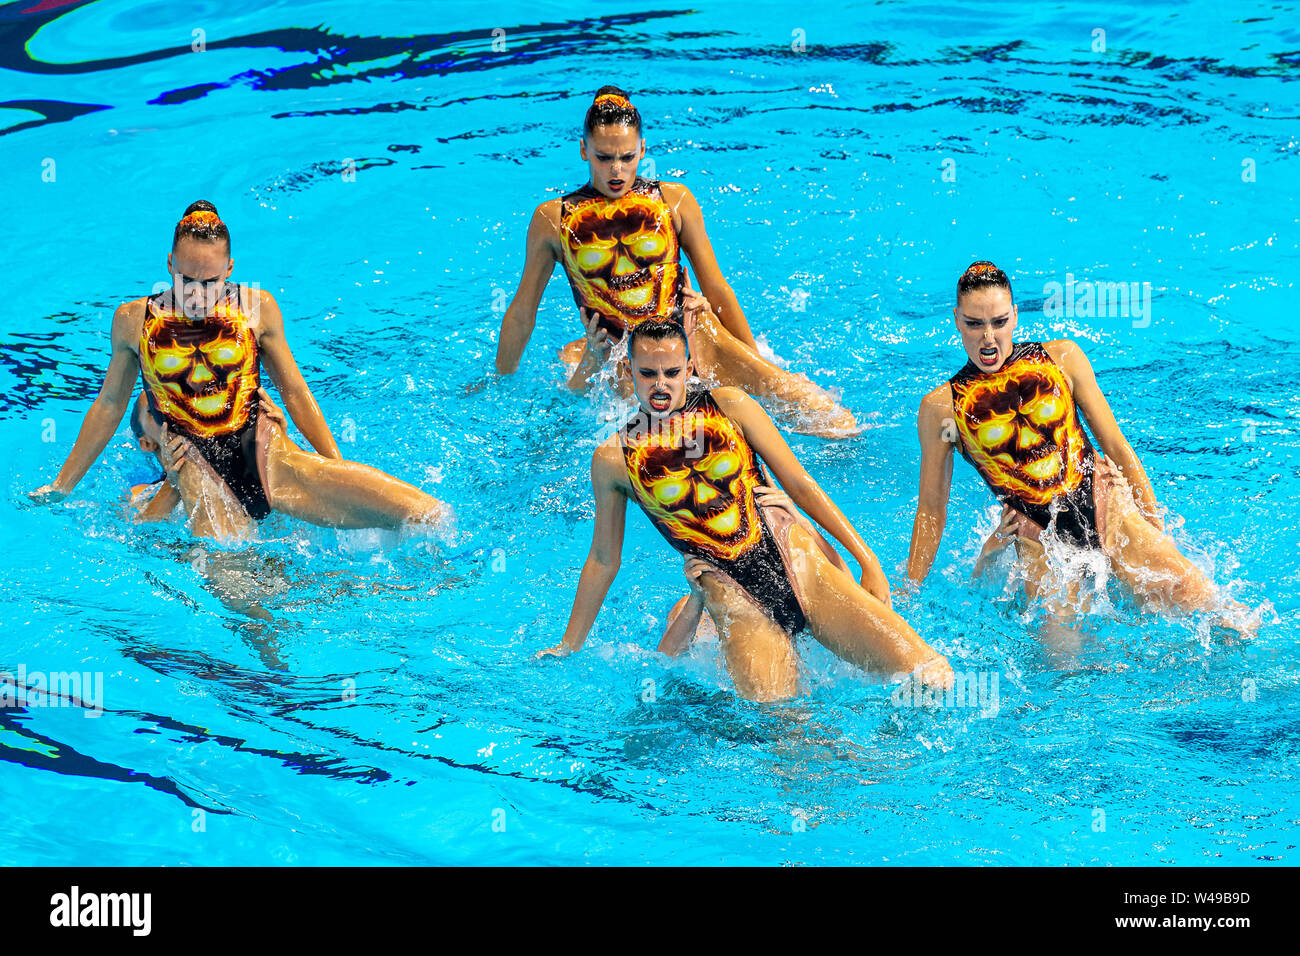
201, 378
621, 255
1020, 429
694, 476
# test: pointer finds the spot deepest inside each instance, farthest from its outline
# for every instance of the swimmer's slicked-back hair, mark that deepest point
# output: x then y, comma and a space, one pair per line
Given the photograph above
611, 107
201, 222
982, 275
656, 330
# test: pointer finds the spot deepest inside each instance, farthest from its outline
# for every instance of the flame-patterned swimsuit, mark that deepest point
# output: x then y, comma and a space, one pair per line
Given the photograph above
621, 255
694, 476
1020, 429
201, 378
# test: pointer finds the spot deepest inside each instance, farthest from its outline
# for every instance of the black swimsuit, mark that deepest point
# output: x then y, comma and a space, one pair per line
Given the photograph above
201, 378
694, 475
621, 255
1020, 429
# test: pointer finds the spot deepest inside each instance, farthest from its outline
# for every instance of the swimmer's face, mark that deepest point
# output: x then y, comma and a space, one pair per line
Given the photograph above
986, 318
199, 270
659, 373
612, 154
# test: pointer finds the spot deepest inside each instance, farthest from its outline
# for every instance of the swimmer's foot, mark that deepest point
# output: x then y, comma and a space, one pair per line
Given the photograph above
1238, 618
438, 516
811, 410
936, 673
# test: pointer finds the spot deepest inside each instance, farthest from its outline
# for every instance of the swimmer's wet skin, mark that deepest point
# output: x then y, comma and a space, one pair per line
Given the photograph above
619, 239
691, 460
1016, 412
199, 346
210, 507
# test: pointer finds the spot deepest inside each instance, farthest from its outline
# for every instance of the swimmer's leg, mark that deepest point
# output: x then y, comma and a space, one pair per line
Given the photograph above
760, 655
1147, 560
341, 494
721, 355
854, 624
1061, 635
211, 508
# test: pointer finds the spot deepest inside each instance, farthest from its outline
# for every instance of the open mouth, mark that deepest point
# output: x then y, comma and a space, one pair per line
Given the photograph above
1047, 467
616, 184
989, 355
723, 518
660, 401
633, 294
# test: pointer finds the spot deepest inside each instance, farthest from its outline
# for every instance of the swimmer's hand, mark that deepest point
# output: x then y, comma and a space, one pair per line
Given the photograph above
272, 411
1107, 468
771, 496
175, 452
693, 303
598, 342
559, 650
1016, 525
1012, 526
47, 495
693, 568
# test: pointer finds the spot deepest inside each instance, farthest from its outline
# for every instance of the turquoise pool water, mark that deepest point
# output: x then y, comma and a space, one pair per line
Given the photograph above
392, 711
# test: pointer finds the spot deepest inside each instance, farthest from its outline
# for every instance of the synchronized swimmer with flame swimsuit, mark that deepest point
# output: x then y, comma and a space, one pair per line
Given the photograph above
201, 377
1020, 429
694, 476
621, 255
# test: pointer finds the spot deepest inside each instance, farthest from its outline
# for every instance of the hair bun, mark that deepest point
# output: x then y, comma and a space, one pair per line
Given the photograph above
612, 99
201, 205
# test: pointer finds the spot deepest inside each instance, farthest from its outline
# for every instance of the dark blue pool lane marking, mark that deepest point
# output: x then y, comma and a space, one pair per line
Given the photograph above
19, 23
270, 690
70, 762
51, 111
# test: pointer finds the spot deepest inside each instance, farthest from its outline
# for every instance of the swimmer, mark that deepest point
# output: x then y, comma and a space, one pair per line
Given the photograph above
619, 239
691, 460
199, 345
1016, 412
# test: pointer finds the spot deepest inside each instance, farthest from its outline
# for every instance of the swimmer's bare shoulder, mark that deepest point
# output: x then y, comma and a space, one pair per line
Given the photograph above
1069, 357
128, 324
936, 424
545, 226
936, 406
681, 202
1061, 349
608, 469
731, 400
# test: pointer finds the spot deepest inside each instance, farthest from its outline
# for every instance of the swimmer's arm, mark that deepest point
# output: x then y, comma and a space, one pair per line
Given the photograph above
764, 438
521, 315
680, 634
606, 548
279, 361
594, 355
106, 411
1096, 410
998, 539
993, 545
160, 506
695, 243
933, 425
